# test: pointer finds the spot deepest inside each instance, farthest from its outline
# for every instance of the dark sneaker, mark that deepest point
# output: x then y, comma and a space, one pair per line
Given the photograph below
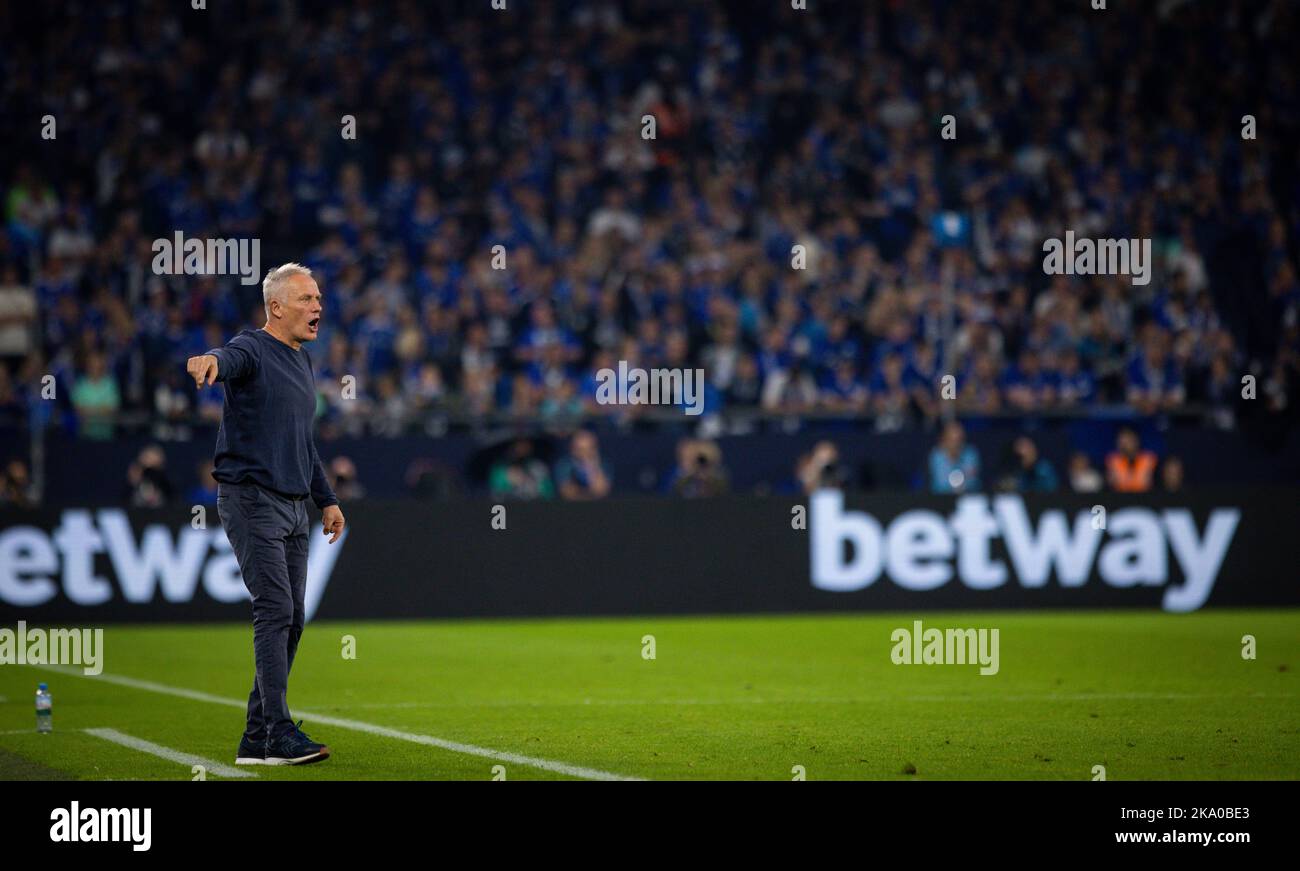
295, 748
251, 753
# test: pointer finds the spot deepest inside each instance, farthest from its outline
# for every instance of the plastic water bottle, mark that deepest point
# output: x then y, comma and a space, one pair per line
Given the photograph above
44, 709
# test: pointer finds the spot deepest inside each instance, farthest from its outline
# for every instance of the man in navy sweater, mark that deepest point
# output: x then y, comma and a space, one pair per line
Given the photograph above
266, 467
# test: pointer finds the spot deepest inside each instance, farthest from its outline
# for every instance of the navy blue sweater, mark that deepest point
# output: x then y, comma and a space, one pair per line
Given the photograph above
265, 436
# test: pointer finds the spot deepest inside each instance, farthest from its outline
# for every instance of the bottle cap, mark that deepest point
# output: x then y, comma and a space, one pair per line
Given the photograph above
41, 686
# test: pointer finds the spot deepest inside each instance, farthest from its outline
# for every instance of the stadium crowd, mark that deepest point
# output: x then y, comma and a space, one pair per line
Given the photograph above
922, 255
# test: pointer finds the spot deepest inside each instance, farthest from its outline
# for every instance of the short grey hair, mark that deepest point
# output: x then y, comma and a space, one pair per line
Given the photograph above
273, 285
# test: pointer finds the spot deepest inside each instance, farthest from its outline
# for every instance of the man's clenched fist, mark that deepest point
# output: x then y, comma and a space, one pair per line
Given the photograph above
203, 369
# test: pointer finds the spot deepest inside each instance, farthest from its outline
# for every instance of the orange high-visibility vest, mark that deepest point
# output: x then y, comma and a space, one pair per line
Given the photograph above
1131, 475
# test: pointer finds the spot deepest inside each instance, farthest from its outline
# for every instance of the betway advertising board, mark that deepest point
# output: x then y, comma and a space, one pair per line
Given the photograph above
826, 551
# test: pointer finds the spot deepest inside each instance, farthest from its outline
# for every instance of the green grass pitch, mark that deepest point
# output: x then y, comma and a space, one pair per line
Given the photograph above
1147, 695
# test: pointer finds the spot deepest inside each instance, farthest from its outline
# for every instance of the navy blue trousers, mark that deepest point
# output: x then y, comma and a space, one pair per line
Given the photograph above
268, 533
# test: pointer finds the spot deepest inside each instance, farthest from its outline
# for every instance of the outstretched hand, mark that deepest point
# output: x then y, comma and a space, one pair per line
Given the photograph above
202, 368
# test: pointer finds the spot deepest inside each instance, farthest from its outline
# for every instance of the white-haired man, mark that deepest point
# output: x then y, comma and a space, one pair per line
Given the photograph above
266, 467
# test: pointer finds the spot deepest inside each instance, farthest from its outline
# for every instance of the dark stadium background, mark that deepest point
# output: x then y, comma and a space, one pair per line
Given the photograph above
775, 128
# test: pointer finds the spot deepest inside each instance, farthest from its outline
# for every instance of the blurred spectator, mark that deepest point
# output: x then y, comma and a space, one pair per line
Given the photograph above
11, 402
790, 389
1277, 388
1084, 478
746, 387
845, 391
1028, 472
1222, 391
429, 479
204, 492
18, 316
562, 406
699, 472
16, 486
1171, 475
890, 398
390, 411
96, 399
1129, 468
426, 389
520, 474
583, 474
1026, 386
148, 485
954, 465
821, 468
30, 206
173, 405
344, 480
1155, 382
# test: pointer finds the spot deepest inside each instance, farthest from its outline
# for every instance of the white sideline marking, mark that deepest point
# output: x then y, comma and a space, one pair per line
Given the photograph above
355, 725
821, 700
166, 752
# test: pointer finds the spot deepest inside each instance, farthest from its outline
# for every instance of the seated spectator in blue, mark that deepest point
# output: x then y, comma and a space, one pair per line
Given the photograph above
1153, 379
397, 193
1074, 384
773, 354
954, 465
1025, 385
890, 400
1027, 472
839, 343
205, 491
977, 387
844, 391
897, 340
583, 475
377, 334
922, 368
542, 334
560, 402
746, 388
